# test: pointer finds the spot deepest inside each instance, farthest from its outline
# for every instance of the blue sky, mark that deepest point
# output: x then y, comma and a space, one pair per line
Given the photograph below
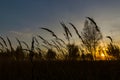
23, 18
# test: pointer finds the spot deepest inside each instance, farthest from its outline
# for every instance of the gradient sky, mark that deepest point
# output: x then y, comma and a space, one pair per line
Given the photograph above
23, 18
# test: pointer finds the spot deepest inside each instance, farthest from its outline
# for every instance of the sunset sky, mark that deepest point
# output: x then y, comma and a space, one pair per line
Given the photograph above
23, 18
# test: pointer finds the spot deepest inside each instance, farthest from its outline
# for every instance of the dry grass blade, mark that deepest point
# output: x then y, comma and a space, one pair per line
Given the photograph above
32, 44
41, 38
67, 31
77, 32
1, 45
19, 43
61, 40
59, 43
25, 44
36, 40
110, 38
53, 34
39, 49
66, 34
92, 20
56, 46
10, 44
44, 41
3, 41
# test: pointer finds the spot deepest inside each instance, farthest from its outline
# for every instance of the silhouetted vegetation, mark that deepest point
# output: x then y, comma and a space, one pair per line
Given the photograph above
91, 36
57, 48
73, 52
90, 39
60, 57
113, 49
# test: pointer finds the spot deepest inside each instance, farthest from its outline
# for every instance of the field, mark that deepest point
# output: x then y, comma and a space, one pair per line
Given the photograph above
62, 70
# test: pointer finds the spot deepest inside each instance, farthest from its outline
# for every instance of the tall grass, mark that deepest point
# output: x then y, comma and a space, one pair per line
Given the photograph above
77, 32
113, 49
53, 34
10, 44
20, 45
25, 44
67, 33
56, 45
3, 41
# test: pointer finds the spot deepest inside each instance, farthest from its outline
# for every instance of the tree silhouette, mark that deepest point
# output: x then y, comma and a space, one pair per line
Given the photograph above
91, 36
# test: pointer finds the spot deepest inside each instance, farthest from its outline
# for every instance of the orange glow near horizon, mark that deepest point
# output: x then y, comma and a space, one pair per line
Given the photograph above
101, 52
102, 55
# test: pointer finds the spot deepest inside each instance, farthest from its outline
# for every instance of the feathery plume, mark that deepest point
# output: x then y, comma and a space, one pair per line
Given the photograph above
94, 23
53, 34
67, 31
77, 32
44, 41
110, 38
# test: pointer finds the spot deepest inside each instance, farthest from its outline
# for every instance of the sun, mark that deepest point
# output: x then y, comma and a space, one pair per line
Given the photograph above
102, 55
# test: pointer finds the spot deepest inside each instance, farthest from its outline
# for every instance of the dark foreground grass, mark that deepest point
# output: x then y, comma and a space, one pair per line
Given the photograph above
62, 70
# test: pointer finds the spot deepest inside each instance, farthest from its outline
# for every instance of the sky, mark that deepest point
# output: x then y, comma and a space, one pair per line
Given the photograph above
24, 18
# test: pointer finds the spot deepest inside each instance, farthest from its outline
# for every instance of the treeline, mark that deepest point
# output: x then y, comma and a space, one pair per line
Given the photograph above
58, 49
